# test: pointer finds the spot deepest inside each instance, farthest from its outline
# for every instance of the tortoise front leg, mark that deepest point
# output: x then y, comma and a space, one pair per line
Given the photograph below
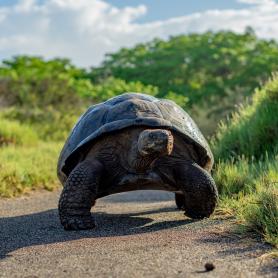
78, 196
179, 199
200, 192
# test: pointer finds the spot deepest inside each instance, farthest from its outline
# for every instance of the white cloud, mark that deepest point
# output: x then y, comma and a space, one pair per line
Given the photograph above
85, 30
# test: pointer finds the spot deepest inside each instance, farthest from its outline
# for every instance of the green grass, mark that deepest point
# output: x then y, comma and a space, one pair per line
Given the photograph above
253, 130
246, 148
261, 215
50, 124
249, 191
14, 133
23, 169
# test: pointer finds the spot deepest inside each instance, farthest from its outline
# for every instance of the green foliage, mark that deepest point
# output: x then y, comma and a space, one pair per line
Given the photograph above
51, 95
202, 66
232, 178
206, 73
41, 100
177, 98
33, 82
215, 71
261, 215
249, 190
27, 168
247, 174
12, 132
111, 87
244, 176
48, 122
253, 130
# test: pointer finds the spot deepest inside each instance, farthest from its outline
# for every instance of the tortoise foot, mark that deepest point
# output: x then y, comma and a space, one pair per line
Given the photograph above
200, 192
200, 204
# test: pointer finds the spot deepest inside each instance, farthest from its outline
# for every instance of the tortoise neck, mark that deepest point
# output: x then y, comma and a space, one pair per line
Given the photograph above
138, 162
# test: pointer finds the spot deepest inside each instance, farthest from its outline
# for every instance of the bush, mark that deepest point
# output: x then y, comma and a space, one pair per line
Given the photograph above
33, 82
215, 71
12, 132
112, 87
204, 67
51, 95
49, 123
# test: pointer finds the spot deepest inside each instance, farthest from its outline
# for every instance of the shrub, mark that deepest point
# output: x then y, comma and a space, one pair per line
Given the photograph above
12, 132
49, 123
206, 67
112, 87
215, 70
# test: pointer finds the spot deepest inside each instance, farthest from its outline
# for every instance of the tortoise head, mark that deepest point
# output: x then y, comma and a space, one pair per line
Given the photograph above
155, 141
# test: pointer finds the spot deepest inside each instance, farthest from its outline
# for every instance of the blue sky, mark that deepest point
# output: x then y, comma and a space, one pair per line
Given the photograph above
84, 30
165, 9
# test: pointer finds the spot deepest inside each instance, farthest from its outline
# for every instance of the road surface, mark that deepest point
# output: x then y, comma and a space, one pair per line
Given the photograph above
138, 234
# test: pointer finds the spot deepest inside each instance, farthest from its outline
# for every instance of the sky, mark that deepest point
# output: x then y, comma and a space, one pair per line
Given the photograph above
84, 30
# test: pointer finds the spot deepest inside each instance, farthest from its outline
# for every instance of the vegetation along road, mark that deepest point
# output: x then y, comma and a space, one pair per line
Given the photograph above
138, 234
227, 82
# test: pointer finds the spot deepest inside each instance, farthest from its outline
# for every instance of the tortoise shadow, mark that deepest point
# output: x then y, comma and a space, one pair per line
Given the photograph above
44, 228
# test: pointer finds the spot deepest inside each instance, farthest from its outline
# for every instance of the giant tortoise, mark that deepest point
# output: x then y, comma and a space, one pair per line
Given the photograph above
134, 142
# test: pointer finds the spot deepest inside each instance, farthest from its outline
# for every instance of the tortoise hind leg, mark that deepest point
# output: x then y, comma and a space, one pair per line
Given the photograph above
200, 192
78, 196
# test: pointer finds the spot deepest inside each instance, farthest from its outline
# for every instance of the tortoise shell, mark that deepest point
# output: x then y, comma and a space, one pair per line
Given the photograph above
129, 110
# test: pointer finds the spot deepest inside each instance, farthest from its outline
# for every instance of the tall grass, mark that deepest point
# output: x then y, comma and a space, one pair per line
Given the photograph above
27, 168
261, 215
246, 148
253, 130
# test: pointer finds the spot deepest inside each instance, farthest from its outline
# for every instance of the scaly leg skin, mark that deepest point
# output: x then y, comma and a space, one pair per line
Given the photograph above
180, 200
200, 192
78, 196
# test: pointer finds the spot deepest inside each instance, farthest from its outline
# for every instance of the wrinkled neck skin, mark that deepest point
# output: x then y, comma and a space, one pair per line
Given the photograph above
137, 162
149, 145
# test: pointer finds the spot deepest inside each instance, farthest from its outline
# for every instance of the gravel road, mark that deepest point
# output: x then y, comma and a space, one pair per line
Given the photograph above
138, 234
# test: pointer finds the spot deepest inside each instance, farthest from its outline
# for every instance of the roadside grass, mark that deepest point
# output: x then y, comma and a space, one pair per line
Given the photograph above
246, 148
262, 214
252, 131
15, 133
23, 168
249, 191
50, 123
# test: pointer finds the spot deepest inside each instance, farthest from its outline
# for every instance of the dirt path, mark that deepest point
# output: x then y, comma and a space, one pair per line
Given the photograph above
134, 238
